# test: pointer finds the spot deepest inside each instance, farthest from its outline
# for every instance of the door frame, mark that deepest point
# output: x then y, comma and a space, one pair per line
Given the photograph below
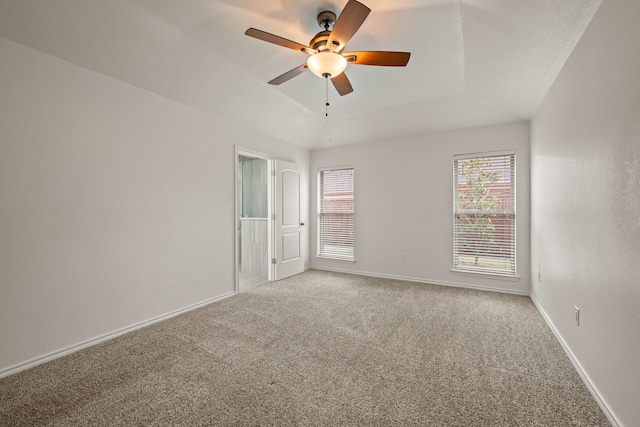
247, 152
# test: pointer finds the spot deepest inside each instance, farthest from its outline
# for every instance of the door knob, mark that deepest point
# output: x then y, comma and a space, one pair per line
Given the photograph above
302, 224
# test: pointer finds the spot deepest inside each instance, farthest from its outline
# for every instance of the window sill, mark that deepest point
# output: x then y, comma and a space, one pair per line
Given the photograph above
335, 258
507, 277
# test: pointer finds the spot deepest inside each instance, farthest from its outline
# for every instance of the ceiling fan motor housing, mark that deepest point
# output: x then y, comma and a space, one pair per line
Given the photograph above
319, 41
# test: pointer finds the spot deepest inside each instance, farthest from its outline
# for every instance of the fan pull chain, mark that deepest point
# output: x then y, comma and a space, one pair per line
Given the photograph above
326, 105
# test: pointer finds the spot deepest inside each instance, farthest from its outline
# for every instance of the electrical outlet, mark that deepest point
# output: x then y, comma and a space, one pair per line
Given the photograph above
577, 313
404, 257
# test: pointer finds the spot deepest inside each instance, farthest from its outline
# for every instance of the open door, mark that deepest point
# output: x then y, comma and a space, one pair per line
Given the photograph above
287, 222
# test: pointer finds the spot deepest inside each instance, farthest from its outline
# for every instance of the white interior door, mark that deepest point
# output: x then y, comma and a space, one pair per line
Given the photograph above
287, 222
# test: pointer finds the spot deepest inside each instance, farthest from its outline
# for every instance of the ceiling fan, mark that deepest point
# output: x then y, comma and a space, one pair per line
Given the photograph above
327, 57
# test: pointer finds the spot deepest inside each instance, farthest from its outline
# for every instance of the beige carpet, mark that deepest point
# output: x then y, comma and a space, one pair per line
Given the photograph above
319, 349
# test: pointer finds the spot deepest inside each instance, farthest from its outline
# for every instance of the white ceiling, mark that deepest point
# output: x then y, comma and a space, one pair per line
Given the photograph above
473, 62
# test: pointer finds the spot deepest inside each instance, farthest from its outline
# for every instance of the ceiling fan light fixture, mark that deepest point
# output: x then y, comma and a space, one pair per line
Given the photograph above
326, 62
327, 58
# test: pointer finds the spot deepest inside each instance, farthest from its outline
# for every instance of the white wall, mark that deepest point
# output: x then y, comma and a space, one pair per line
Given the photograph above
404, 204
116, 204
585, 198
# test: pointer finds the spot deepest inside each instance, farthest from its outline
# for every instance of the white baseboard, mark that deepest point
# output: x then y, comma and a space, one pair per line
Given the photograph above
420, 280
576, 364
105, 337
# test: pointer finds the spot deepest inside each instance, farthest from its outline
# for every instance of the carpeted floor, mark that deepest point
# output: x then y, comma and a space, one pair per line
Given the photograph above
319, 349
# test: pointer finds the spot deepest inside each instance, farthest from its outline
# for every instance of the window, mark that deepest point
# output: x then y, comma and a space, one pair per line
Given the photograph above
484, 213
335, 213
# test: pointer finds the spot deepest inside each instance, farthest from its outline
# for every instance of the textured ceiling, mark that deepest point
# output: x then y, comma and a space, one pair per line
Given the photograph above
473, 62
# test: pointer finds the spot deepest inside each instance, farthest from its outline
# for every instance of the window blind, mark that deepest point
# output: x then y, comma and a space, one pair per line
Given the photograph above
484, 213
336, 213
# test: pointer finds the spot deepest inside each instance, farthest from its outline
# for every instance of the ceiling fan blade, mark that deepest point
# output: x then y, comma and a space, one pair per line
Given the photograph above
342, 84
280, 41
389, 59
349, 21
289, 75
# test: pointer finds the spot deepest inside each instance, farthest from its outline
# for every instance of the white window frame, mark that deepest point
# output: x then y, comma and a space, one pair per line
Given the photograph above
506, 274
321, 212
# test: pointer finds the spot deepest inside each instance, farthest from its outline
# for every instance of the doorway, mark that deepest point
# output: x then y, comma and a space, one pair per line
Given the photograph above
253, 226
268, 219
